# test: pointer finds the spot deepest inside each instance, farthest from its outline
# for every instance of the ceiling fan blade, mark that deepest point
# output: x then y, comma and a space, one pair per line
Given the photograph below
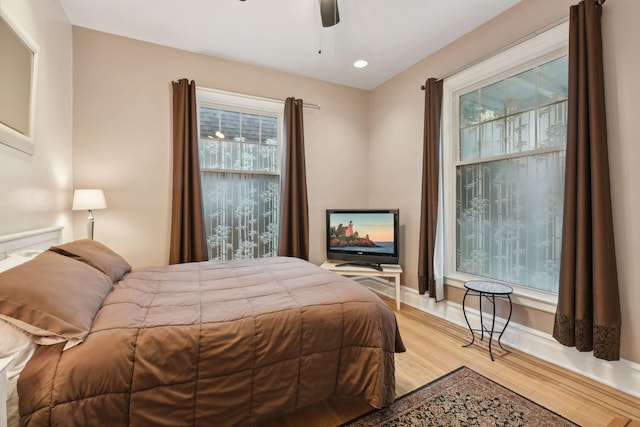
329, 12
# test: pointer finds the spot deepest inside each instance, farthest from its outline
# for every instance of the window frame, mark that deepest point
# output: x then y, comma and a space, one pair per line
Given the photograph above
543, 47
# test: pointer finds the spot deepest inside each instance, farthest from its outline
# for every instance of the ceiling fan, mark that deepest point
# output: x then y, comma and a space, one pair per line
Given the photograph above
329, 12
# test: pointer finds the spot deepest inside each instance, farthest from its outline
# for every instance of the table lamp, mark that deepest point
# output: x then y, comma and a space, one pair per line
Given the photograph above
89, 199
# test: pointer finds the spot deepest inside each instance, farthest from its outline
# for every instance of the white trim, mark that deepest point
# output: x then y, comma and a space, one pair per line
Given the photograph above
439, 250
238, 100
528, 153
541, 48
622, 375
532, 298
41, 238
545, 46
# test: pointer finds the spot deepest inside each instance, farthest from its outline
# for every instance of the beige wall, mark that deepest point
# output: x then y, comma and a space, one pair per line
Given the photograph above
395, 134
122, 137
621, 56
36, 190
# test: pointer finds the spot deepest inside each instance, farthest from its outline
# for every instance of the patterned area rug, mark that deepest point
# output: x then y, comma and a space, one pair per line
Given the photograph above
462, 398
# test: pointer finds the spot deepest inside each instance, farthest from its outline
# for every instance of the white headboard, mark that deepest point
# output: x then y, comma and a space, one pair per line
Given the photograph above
42, 238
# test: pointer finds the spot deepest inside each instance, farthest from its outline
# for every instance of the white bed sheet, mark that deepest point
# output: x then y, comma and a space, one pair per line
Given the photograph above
14, 344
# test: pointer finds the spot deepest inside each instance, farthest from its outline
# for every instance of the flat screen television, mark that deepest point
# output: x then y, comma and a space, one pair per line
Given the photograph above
363, 237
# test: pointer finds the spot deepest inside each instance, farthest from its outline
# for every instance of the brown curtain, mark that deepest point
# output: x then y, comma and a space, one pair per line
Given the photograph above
188, 241
588, 313
430, 173
294, 211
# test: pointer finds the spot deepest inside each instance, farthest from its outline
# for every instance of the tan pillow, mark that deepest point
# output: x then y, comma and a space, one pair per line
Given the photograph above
96, 255
53, 298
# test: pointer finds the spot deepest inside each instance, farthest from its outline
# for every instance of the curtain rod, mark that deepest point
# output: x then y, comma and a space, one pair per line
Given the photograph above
504, 48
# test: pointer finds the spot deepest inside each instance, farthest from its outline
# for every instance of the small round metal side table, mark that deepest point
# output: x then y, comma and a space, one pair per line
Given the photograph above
489, 291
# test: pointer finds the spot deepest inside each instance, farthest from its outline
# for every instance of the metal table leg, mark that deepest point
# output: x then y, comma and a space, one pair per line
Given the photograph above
464, 311
491, 297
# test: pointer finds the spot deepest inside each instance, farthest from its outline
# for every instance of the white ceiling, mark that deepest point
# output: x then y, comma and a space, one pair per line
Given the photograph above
287, 35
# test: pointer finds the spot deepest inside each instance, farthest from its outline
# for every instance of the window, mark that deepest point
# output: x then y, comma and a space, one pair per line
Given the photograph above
504, 150
239, 143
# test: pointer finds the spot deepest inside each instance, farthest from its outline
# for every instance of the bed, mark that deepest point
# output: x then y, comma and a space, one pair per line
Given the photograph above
224, 343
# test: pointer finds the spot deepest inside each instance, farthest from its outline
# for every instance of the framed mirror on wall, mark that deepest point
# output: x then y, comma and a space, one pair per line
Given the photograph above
18, 77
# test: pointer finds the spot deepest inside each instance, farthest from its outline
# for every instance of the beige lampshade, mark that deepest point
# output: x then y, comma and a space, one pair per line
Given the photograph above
88, 199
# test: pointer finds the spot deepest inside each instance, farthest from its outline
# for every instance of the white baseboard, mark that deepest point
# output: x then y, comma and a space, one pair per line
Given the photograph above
623, 375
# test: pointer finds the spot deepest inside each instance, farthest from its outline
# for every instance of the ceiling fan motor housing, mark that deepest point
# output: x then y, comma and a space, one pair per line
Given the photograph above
329, 12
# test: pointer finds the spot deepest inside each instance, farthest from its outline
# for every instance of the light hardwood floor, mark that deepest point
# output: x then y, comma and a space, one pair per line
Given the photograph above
434, 348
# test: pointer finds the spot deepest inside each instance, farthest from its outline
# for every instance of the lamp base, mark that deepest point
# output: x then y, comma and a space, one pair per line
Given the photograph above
90, 226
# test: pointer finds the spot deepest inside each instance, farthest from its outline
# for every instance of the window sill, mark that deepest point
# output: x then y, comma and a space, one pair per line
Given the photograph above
538, 300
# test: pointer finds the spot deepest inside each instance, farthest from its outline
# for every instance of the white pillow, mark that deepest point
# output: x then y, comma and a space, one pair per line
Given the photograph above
14, 343
16, 258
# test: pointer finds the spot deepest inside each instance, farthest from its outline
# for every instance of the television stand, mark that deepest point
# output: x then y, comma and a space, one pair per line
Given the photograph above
373, 265
392, 271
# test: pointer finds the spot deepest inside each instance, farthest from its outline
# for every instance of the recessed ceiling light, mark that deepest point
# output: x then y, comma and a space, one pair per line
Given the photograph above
360, 63
219, 134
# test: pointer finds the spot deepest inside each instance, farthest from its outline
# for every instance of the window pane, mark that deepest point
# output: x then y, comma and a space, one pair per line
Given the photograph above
491, 138
248, 153
469, 143
469, 109
492, 101
241, 214
230, 124
520, 92
269, 158
552, 81
251, 127
519, 132
209, 122
552, 125
269, 130
509, 219
508, 135
228, 155
210, 154
223, 154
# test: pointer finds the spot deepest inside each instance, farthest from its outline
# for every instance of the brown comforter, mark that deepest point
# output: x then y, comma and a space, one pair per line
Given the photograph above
222, 343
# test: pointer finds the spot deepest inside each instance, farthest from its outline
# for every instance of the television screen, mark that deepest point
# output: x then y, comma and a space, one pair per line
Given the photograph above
363, 237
